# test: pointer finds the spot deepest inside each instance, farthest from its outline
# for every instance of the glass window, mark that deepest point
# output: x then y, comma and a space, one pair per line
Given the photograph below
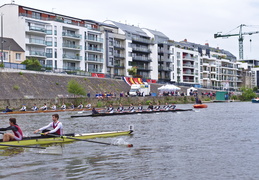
18, 56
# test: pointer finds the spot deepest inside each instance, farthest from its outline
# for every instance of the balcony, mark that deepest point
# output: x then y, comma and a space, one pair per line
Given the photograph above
71, 36
164, 69
142, 40
119, 66
94, 49
94, 70
141, 49
119, 55
71, 46
189, 58
187, 65
72, 57
141, 58
96, 60
71, 68
144, 68
188, 73
94, 39
37, 42
36, 30
37, 54
118, 46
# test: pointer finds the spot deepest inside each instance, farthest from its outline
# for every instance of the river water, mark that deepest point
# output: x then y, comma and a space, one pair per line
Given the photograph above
220, 142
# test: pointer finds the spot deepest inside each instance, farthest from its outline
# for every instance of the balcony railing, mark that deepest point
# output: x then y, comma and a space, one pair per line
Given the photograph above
37, 41
93, 70
72, 46
37, 28
72, 57
141, 58
89, 38
37, 53
78, 36
94, 49
94, 59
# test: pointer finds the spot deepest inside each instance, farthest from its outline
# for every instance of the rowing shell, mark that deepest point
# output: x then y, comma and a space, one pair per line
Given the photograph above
128, 113
27, 141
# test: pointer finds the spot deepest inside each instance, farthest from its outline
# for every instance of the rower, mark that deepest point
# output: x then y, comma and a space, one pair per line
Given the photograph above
7, 110
140, 107
56, 125
54, 107
44, 107
166, 107
131, 108
80, 106
120, 108
157, 107
110, 109
72, 106
94, 111
17, 136
150, 107
23, 108
63, 106
172, 106
34, 108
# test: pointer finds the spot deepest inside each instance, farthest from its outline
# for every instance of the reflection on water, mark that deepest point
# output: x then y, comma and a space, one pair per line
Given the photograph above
220, 142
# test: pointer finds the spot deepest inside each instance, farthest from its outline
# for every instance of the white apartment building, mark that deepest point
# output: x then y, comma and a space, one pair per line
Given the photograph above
57, 41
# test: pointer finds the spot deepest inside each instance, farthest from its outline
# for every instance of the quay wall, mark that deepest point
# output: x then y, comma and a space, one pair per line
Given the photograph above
30, 87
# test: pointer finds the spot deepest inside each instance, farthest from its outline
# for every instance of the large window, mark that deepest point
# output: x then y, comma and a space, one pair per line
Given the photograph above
18, 56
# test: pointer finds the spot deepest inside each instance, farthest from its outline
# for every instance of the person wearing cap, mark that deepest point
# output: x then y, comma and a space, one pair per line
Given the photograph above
23, 108
17, 132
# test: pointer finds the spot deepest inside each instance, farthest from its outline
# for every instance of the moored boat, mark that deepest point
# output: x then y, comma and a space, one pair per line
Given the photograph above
128, 113
200, 106
40, 140
255, 100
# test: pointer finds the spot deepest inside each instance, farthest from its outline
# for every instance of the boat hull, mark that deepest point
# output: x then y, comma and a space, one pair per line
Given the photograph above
128, 113
255, 100
200, 106
39, 140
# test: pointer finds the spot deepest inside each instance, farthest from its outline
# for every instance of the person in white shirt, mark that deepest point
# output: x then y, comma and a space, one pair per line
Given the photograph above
56, 125
54, 107
63, 106
23, 108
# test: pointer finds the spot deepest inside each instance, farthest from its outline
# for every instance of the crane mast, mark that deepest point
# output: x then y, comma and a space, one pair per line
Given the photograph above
240, 38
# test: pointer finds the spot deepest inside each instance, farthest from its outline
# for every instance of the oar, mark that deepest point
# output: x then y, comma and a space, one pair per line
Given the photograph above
77, 139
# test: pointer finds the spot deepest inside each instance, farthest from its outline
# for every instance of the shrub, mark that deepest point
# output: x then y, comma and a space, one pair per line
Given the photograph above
16, 87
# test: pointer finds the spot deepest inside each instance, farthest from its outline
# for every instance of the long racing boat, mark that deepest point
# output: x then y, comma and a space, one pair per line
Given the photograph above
41, 140
128, 113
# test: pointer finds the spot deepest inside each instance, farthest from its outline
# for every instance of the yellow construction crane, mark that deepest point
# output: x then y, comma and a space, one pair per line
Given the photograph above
240, 38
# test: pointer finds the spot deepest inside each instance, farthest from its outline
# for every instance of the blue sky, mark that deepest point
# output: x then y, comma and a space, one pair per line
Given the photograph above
197, 21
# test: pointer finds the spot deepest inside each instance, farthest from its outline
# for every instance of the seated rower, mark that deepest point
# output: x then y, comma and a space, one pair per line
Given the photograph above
172, 106
110, 109
23, 108
80, 106
150, 107
56, 125
157, 107
140, 107
44, 107
7, 110
94, 111
88, 106
63, 107
120, 108
17, 136
131, 108
166, 107
72, 106
34, 108
54, 107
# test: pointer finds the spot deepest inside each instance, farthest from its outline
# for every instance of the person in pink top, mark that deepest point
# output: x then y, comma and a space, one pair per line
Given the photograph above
17, 132
56, 125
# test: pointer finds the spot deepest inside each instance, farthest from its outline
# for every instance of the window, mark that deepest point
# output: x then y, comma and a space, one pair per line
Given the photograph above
36, 15
18, 56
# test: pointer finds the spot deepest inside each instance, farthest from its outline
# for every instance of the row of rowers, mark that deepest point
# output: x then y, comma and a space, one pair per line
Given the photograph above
54, 107
17, 135
150, 107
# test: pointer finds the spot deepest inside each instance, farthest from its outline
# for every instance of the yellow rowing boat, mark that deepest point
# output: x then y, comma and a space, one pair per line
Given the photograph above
40, 140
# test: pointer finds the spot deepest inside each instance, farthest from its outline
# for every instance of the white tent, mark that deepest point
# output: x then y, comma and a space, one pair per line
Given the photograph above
168, 87
192, 89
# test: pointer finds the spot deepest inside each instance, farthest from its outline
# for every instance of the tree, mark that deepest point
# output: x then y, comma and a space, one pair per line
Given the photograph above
32, 64
75, 88
247, 94
133, 71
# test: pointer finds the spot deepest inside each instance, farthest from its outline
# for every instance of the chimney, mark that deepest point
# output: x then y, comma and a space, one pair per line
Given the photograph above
206, 44
185, 40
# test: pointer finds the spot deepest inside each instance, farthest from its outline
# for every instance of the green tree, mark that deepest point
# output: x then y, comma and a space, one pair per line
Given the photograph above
247, 94
32, 64
133, 70
75, 88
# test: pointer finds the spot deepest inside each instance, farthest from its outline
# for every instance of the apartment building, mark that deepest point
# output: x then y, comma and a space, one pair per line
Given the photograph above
57, 41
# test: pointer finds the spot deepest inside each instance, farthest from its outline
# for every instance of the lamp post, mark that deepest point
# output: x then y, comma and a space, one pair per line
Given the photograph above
2, 40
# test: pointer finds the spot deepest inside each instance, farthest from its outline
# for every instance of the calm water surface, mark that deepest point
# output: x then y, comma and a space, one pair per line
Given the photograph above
217, 143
